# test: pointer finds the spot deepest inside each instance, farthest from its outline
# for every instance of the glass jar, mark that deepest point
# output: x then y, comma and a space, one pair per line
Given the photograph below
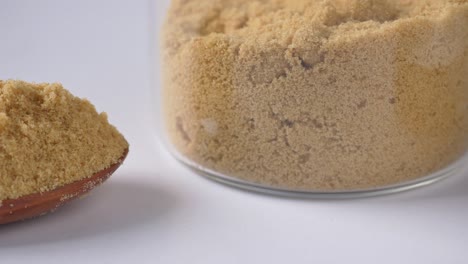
317, 98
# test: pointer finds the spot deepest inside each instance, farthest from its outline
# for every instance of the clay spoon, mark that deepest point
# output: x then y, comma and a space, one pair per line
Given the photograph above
33, 205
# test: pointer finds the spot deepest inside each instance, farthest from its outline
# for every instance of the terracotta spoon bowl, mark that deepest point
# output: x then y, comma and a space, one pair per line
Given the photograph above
33, 205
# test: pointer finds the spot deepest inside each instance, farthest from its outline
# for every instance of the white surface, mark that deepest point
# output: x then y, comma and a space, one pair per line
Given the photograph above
155, 211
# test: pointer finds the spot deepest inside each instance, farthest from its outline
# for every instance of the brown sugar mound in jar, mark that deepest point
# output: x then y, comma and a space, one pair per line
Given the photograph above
315, 94
49, 138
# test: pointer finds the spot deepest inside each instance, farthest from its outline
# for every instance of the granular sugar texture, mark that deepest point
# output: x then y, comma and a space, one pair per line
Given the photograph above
49, 138
317, 94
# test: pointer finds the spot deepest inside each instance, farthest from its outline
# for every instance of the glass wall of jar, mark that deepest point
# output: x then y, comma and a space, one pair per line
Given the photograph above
338, 97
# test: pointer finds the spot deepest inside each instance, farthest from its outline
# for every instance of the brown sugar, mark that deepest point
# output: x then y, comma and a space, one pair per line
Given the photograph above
317, 94
49, 138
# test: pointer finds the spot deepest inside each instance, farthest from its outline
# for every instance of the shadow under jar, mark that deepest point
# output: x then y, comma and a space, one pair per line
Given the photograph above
317, 98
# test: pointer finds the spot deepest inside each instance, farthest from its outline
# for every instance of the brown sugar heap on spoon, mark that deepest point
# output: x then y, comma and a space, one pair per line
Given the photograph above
50, 138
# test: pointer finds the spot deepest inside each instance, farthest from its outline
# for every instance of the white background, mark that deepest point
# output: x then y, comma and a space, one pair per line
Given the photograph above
155, 211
